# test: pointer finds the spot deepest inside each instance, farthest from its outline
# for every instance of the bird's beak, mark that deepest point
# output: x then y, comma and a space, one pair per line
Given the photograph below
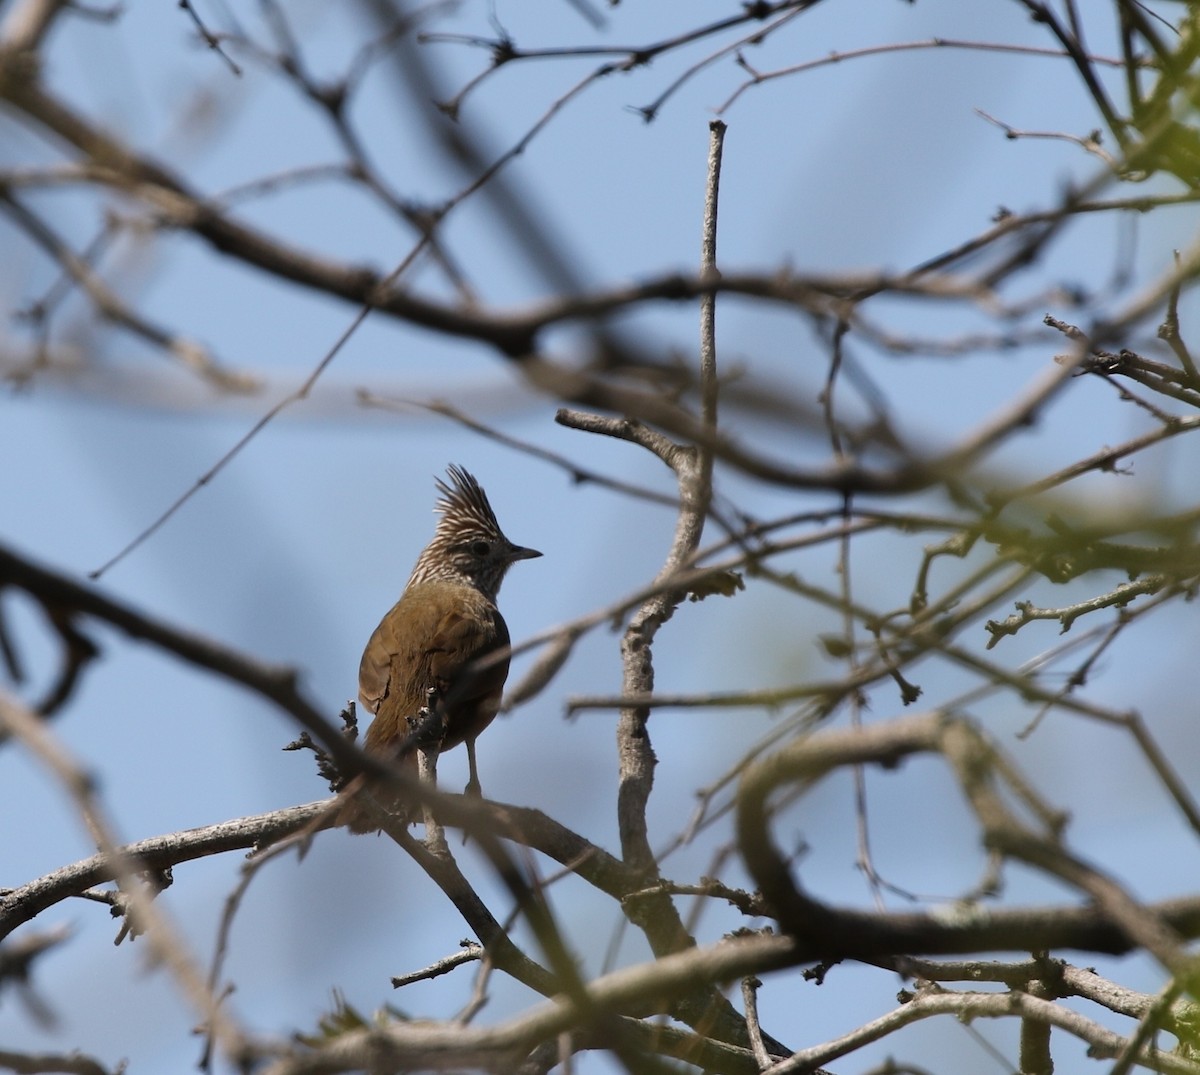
516, 552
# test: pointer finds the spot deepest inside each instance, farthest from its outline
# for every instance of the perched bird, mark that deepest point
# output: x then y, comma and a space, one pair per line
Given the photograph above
432, 648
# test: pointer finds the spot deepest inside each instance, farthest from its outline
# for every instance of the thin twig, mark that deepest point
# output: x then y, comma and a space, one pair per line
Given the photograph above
469, 952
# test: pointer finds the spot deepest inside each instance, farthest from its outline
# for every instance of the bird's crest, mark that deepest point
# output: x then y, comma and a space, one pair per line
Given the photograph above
464, 505
468, 545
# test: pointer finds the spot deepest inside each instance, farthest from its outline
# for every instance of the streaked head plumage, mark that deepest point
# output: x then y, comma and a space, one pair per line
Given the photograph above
468, 544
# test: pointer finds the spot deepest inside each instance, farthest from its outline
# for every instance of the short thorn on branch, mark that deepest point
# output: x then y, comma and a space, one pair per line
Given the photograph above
326, 767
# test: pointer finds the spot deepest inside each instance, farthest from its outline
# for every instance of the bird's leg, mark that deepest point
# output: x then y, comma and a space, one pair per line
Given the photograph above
473, 786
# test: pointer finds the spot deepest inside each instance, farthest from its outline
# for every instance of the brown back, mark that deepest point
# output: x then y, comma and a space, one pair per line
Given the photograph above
434, 637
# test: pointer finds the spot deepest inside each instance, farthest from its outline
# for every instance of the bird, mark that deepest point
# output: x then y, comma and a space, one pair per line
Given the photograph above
442, 649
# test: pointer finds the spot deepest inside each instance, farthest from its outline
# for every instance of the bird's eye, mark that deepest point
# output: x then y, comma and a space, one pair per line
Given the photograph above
480, 548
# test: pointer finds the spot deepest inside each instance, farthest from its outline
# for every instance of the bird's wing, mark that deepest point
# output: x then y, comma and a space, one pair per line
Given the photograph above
420, 645
469, 685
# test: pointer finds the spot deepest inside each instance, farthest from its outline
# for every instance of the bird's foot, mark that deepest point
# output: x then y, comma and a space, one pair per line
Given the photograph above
473, 790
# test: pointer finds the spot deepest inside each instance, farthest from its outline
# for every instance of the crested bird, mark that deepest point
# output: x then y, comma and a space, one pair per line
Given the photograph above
442, 649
